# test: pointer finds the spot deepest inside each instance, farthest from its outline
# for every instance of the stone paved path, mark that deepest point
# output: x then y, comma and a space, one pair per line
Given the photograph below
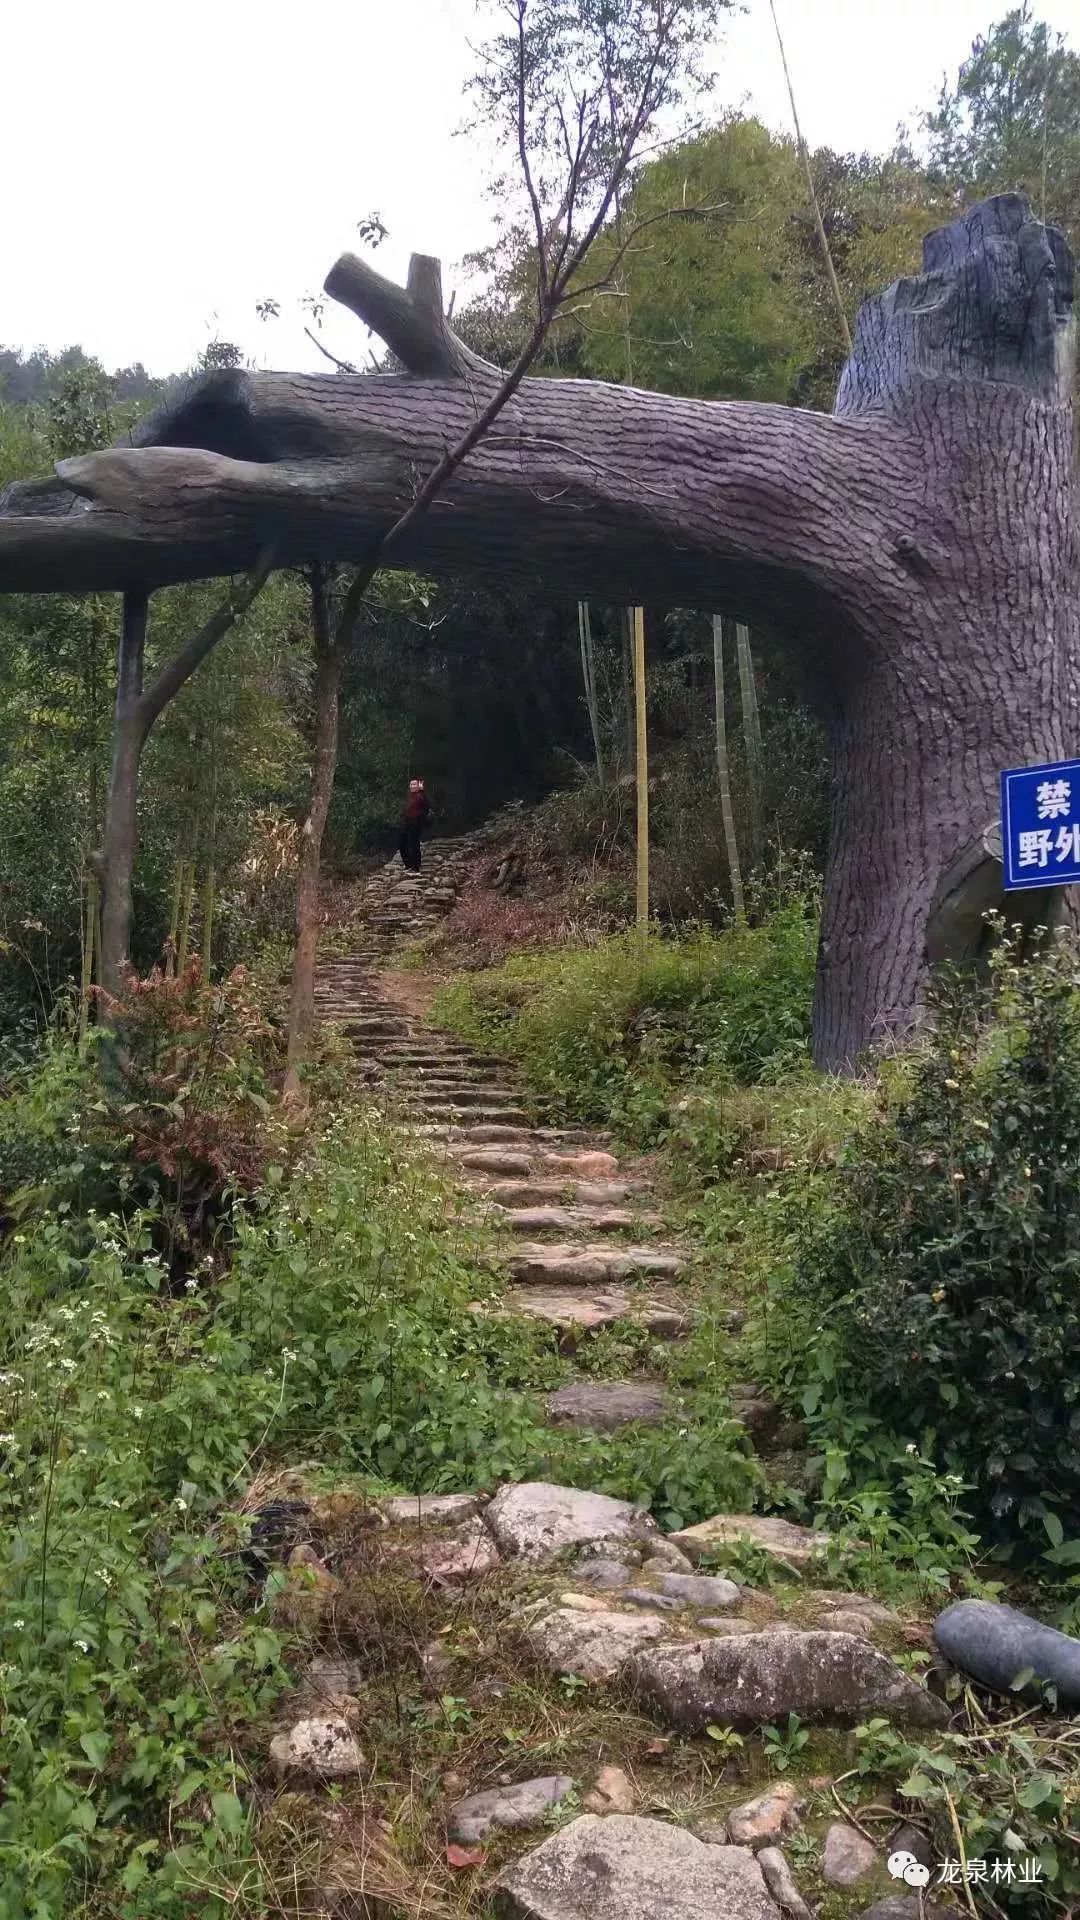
574, 1232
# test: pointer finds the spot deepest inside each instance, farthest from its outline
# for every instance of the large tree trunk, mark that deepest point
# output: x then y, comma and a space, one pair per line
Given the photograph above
918, 547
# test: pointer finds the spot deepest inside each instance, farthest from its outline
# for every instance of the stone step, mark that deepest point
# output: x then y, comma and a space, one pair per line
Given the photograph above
566, 1219
590, 1266
458, 1093
578, 1313
543, 1193
607, 1404
493, 1115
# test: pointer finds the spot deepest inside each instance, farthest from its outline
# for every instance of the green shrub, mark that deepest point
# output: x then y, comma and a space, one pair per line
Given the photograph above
936, 1281
609, 1040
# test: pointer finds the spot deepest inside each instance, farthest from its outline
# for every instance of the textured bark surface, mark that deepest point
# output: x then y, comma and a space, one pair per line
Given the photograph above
919, 546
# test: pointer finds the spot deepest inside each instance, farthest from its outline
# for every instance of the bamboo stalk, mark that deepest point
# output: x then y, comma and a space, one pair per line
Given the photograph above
751, 738
186, 900
174, 917
86, 976
588, 674
723, 771
823, 238
209, 895
642, 775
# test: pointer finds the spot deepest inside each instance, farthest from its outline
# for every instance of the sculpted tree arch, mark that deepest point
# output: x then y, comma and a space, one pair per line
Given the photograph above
918, 545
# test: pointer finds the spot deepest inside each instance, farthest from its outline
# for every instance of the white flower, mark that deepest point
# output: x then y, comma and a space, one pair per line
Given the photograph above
137, 1413
103, 1574
912, 1447
68, 1366
180, 1503
18, 1623
83, 1646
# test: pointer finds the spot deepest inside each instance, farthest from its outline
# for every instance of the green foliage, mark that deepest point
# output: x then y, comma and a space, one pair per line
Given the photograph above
938, 1275
1009, 1787
607, 1039
1011, 119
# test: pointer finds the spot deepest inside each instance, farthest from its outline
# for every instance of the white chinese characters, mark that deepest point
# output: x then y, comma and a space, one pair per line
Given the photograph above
1036, 846
1053, 798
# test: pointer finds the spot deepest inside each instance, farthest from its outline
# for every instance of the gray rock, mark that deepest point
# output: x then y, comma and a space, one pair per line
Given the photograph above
322, 1748
626, 1868
608, 1403
327, 1681
779, 1881
646, 1597
603, 1573
594, 1645
430, 1509
846, 1620
769, 1816
994, 1643
537, 1520
909, 1839
664, 1558
849, 1855
836, 1599
757, 1677
456, 1555
713, 1624
524, 1805
701, 1589
781, 1537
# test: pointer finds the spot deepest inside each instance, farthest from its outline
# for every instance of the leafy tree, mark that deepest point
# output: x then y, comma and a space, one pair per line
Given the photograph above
1012, 120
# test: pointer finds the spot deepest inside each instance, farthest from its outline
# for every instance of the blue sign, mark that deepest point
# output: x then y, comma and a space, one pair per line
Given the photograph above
1040, 825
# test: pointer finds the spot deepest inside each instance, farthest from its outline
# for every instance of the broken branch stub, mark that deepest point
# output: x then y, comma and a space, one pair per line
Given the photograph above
409, 319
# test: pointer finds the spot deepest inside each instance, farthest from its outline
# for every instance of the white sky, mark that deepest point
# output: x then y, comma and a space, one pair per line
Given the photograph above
167, 163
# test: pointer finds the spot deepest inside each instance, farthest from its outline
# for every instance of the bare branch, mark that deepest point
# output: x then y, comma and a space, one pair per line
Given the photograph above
526, 166
343, 366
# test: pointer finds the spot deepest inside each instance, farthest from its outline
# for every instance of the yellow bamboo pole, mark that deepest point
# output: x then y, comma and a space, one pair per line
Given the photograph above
642, 770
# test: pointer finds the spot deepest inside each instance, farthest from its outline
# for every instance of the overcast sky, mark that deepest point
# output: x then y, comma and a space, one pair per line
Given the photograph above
168, 165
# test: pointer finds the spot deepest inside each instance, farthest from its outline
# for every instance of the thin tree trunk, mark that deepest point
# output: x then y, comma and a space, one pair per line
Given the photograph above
90, 921
328, 652
187, 899
118, 859
723, 770
641, 765
172, 938
588, 674
209, 894
751, 739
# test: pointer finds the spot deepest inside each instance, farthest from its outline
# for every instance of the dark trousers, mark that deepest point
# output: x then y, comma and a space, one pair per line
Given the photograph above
409, 847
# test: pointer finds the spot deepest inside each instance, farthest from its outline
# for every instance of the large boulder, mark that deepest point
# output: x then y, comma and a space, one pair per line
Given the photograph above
595, 1645
757, 1677
626, 1868
536, 1520
995, 1643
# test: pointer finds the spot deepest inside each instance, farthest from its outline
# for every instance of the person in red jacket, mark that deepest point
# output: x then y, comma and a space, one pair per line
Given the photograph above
417, 817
